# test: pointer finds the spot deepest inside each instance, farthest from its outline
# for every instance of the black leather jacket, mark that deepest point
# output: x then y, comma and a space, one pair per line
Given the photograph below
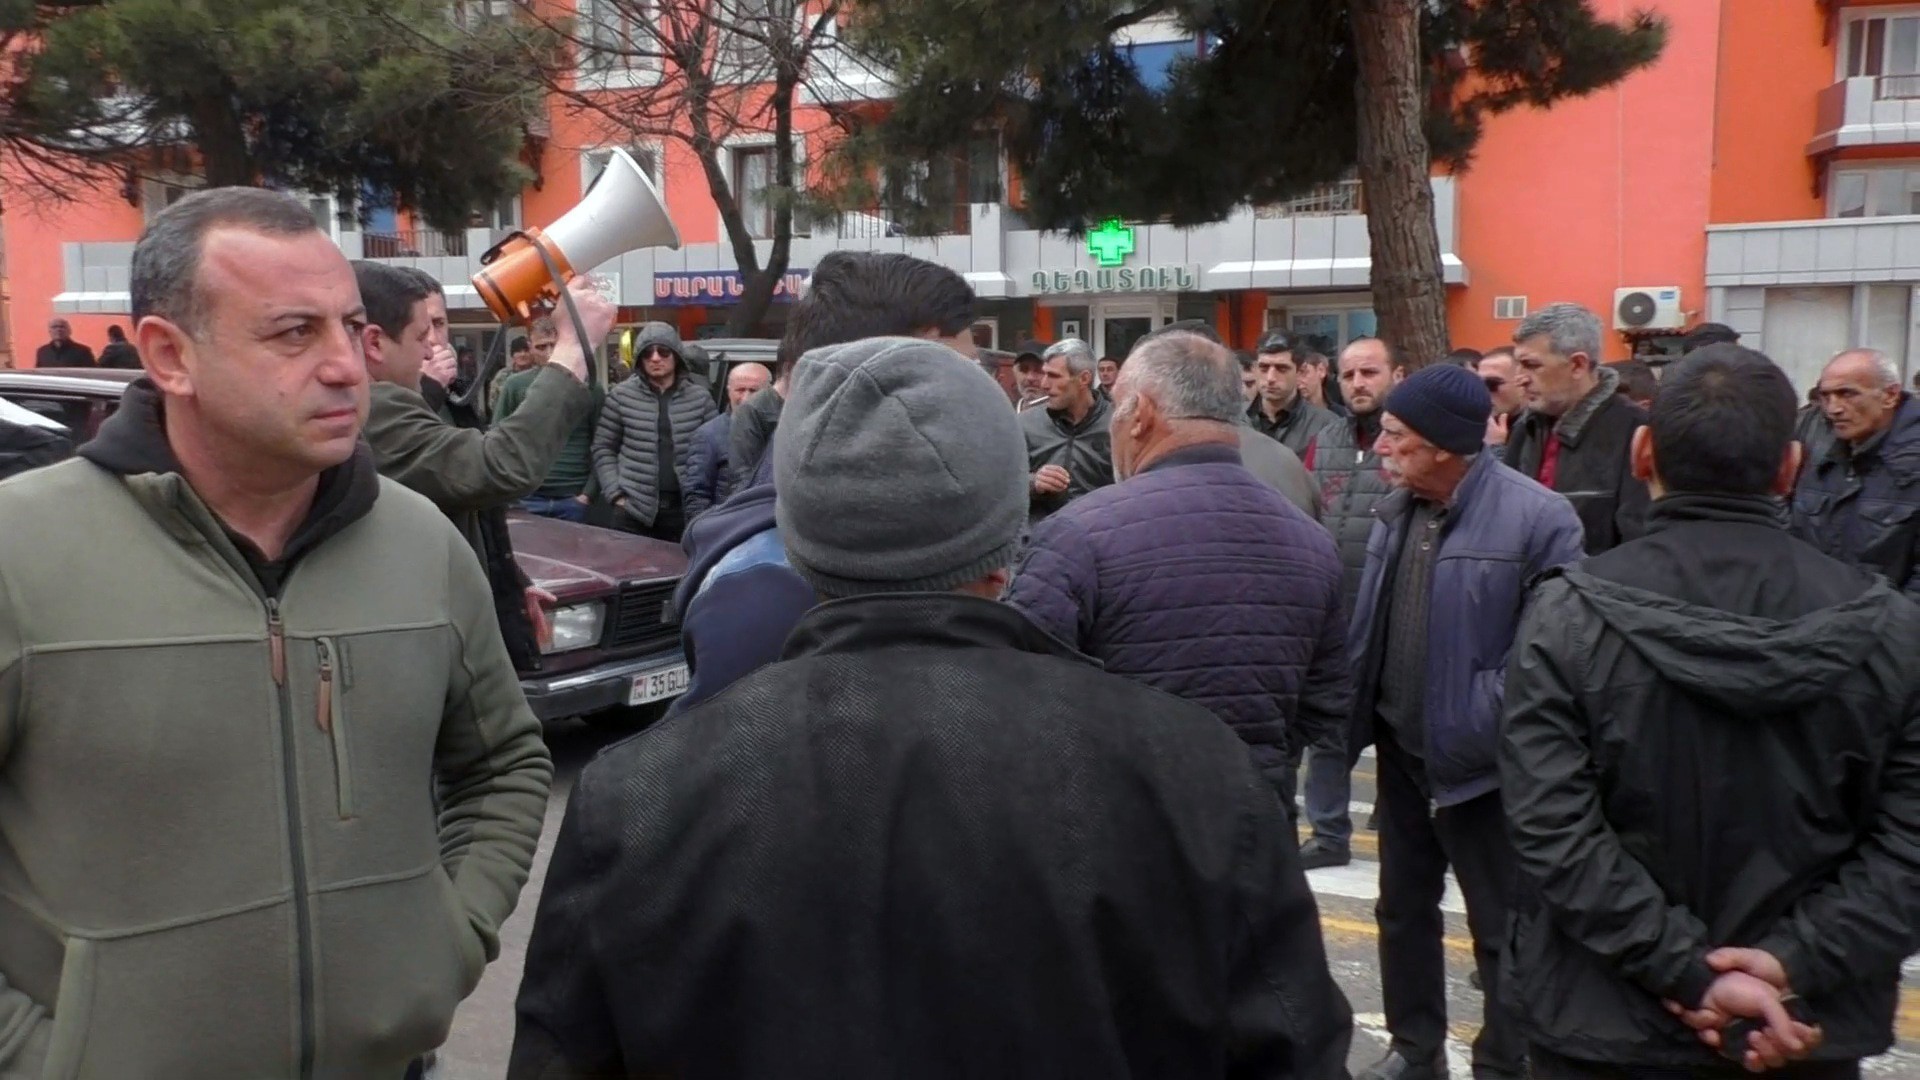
1712, 738
1864, 507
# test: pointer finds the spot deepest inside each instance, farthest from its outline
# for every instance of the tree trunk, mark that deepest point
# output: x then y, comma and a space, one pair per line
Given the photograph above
1409, 293
757, 291
222, 143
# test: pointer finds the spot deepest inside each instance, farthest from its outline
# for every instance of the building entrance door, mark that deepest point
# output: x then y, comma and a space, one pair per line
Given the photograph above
1119, 324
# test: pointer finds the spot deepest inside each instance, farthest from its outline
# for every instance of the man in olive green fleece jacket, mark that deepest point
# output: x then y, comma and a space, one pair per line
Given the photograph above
472, 474
466, 471
231, 658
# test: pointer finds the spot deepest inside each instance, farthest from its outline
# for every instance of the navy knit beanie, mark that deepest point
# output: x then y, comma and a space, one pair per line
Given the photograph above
1446, 405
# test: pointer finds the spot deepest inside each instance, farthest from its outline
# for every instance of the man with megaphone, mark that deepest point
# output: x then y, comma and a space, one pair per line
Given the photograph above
472, 475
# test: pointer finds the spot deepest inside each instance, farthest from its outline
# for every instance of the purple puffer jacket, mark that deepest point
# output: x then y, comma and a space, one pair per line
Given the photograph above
1197, 579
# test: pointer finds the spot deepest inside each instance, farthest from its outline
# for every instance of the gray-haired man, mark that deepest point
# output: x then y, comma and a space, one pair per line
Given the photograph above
1575, 434
1857, 501
1069, 448
1191, 574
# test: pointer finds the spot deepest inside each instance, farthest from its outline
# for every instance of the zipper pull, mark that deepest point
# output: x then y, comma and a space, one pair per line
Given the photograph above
277, 642
324, 713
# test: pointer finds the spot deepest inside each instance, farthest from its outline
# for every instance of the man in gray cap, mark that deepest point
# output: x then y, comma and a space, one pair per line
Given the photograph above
948, 842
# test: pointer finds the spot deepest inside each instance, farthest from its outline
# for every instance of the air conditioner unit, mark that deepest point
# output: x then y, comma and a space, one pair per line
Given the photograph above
1648, 308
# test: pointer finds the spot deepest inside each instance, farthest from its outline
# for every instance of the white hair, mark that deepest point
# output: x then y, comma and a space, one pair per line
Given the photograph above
1191, 377
1078, 354
1883, 364
1569, 329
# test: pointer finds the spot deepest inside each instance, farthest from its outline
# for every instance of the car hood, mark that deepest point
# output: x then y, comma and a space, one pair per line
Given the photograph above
571, 560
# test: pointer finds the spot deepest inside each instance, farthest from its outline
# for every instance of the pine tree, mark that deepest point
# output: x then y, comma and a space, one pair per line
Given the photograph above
1288, 94
332, 96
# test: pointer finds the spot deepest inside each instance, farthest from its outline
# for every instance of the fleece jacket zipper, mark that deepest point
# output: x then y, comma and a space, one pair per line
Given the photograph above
303, 916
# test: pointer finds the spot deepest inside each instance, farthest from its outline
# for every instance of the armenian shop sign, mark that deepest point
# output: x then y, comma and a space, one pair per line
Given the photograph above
688, 288
1110, 244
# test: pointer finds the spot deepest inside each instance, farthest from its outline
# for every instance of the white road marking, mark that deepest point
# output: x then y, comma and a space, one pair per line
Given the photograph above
1360, 880
1359, 811
1459, 1056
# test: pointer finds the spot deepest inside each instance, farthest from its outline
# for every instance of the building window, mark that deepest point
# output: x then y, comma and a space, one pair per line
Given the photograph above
614, 36
1883, 45
1880, 192
742, 57
752, 182
472, 14
500, 216
595, 162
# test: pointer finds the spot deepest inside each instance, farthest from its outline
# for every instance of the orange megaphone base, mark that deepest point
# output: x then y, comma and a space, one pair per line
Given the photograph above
513, 275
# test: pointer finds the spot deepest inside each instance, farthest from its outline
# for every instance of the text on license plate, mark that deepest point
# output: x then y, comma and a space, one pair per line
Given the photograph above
659, 685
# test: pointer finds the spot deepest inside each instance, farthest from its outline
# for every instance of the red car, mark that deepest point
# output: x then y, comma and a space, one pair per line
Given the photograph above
612, 641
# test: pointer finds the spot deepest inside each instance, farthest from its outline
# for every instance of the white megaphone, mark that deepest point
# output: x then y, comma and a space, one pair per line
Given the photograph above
621, 212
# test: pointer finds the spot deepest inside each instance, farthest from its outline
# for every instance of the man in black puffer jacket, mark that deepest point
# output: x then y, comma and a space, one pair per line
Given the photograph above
646, 430
1711, 762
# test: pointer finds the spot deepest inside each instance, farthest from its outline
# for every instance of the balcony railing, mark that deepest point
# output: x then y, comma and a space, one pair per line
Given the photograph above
1898, 87
414, 244
1327, 200
879, 224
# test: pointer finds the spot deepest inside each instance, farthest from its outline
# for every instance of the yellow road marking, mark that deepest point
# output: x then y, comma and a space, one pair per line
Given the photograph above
1344, 927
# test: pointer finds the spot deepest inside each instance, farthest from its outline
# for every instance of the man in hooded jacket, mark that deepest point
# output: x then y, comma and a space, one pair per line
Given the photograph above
1711, 765
646, 429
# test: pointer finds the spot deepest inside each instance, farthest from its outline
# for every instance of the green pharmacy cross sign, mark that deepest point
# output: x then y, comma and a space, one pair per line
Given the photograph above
1111, 243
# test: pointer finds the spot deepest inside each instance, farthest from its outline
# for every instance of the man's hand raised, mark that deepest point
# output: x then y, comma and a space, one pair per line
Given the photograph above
596, 311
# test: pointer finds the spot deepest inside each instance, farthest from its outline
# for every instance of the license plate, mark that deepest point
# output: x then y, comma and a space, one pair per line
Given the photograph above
659, 685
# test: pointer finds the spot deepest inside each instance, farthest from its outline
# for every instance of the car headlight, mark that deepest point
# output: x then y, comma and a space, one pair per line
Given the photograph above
576, 626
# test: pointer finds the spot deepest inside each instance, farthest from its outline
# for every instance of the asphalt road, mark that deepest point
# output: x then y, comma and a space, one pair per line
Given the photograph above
482, 1035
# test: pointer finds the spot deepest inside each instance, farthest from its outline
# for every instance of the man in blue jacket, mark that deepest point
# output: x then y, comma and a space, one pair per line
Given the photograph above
1448, 564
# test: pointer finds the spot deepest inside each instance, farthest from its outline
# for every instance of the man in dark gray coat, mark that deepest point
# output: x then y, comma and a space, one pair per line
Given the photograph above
1347, 470
1069, 448
646, 429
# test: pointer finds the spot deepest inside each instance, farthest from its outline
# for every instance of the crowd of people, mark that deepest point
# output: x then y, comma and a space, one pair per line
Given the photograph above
1002, 684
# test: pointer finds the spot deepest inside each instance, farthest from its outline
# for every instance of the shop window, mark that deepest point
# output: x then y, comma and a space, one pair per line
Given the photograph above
1328, 330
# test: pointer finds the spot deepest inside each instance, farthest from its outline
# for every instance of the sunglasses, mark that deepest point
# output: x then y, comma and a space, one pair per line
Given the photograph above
1494, 384
652, 351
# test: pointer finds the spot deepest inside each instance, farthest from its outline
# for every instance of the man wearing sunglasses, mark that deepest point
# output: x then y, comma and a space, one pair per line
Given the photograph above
640, 447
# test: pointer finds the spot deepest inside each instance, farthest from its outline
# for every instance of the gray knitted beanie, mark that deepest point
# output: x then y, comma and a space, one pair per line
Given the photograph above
900, 467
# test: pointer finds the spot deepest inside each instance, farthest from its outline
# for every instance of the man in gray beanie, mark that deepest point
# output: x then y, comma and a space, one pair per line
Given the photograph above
1448, 562
892, 469
942, 841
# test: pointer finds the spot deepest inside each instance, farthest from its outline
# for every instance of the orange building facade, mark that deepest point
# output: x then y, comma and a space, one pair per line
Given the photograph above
1765, 173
